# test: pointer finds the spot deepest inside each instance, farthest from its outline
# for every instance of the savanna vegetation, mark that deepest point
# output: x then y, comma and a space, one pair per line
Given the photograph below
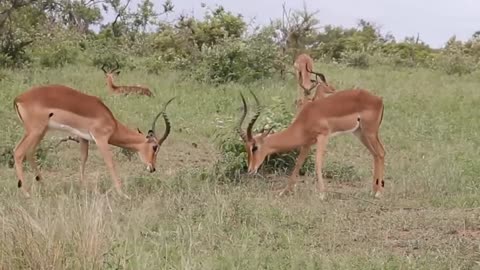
200, 210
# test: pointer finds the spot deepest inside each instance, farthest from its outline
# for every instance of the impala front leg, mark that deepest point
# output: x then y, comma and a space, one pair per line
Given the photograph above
294, 177
321, 144
83, 159
108, 158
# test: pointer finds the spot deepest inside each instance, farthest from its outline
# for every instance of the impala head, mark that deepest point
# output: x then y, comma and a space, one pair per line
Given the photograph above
254, 144
150, 147
321, 87
109, 74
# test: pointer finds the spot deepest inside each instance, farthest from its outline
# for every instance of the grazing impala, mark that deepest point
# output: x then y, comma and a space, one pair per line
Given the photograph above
133, 89
58, 107
303, 66
349, 111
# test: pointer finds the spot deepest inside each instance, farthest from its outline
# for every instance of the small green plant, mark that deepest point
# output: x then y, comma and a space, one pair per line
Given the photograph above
6, 157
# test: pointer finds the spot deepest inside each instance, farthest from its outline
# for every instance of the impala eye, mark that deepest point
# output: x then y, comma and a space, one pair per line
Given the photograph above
254, 148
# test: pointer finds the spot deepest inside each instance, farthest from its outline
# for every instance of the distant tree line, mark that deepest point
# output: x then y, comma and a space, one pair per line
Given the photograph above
218, 48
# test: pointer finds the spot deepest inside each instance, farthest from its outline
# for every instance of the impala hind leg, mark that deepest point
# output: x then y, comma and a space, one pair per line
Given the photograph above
108, 158
25, 149
321, 145
294, 177
30, 155
374, 145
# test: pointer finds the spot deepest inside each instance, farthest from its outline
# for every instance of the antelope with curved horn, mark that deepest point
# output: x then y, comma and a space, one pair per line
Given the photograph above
303, 66
133, 89
59, 107
322, 89
349, 111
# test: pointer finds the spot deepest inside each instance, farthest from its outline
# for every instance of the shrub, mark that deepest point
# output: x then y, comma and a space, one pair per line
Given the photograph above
57, 56
234, 59
455, 63
358, 59
56, 48
106, 51
233, 156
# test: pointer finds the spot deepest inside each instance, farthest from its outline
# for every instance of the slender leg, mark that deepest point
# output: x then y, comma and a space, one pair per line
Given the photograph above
108, 158
25, 148
298, 164
19, 155
373, 144
83, 159
30, 155
321, 145
378, 163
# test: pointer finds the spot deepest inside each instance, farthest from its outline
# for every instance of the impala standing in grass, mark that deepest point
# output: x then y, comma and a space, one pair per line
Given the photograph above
58, 107
349, 111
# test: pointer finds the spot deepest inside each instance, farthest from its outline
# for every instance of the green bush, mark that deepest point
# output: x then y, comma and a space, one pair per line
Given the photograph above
233, 156
456, 63
234, 59
56, 48
356, 59
57, 56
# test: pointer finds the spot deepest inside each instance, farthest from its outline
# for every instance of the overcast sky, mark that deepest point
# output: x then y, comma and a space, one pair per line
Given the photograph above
434, 20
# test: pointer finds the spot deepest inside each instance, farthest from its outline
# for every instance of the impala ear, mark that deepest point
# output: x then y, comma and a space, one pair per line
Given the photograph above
150, 133
117, 72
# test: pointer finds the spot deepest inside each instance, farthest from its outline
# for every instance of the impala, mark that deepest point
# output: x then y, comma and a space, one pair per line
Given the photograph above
59, 107
133, 89
322, 89
349, 111
303, 66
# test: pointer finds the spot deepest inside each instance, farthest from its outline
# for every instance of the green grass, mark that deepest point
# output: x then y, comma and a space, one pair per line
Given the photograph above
180, 218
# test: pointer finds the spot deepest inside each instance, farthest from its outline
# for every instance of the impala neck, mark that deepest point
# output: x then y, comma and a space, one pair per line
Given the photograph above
110, 83
126, 138
321, 94
283, 141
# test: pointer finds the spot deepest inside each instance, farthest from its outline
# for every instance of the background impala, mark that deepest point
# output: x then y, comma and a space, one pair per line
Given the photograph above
123, 89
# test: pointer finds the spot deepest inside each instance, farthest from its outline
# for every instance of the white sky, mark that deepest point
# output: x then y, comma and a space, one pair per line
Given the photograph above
434, 20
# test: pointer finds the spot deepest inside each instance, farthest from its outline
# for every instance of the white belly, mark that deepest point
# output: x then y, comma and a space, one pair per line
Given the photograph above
346, 131
84, 134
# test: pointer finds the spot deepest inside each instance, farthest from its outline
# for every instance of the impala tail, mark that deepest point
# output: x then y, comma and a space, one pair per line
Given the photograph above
15, 107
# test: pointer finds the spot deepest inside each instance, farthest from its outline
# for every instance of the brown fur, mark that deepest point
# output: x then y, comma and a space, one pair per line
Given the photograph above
353, 111
60, 107
322, 89
302, 65
139, 90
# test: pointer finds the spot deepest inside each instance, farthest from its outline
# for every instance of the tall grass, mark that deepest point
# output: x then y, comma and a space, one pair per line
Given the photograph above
182, 218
